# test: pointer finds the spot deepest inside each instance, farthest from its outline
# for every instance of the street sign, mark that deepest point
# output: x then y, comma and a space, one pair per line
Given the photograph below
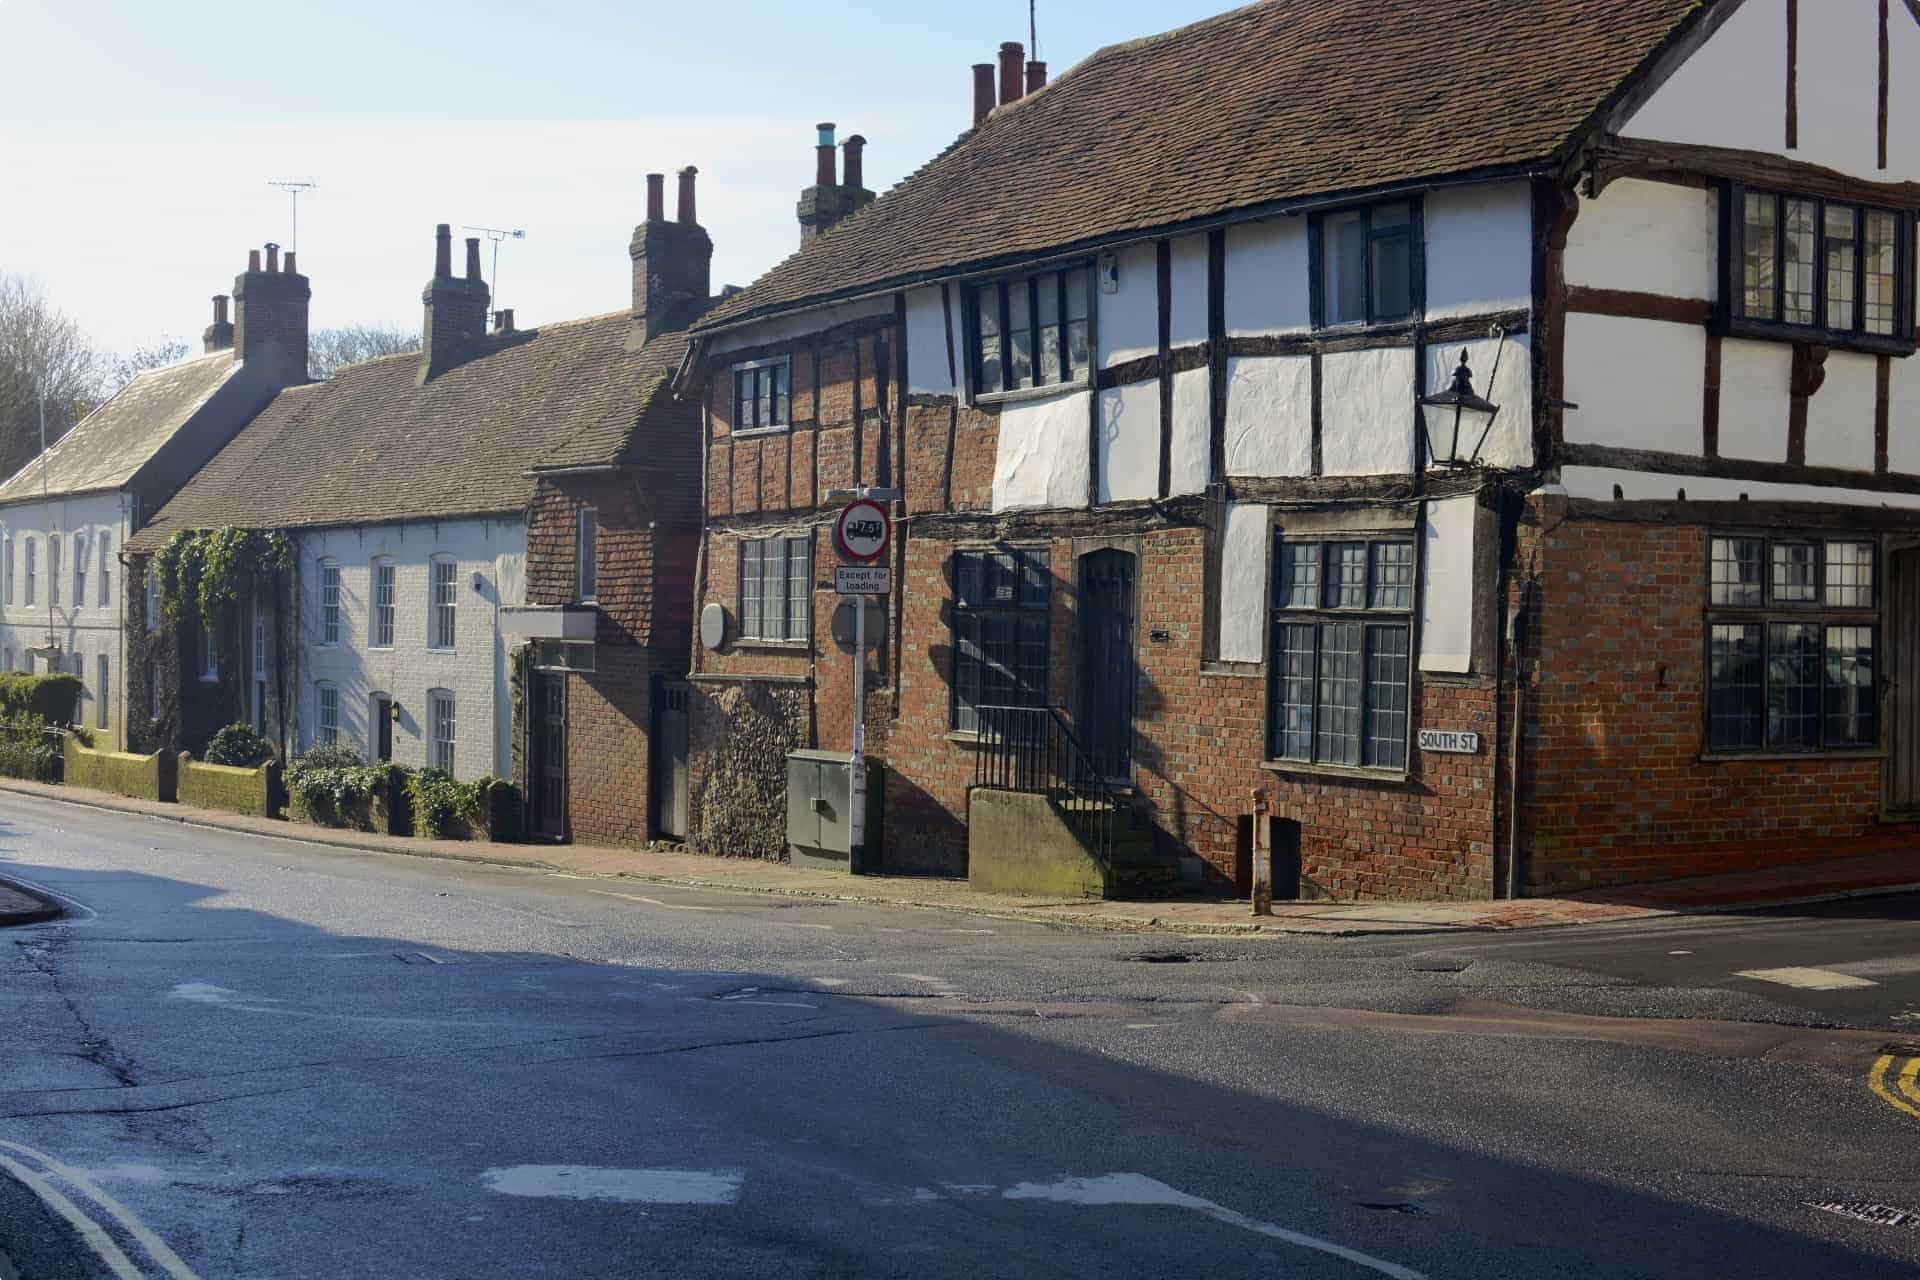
1450, 741
862, 580
863, 530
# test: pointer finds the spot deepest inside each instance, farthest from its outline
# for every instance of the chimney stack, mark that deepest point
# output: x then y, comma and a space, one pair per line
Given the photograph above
828, 200
287, 263
982, 91
218, 336
685, 213
672, 263
1011, 56
269, 317
456, 309
1036, 76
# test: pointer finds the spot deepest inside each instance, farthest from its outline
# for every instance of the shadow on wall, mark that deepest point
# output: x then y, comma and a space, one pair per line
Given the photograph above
696, 1049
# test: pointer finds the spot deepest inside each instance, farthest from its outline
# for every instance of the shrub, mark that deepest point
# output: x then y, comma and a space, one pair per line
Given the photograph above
332, 780
440, 803
51, 697
26, 751
240, 746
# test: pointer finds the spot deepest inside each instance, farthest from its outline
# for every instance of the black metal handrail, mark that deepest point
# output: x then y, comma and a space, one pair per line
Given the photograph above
1033, 750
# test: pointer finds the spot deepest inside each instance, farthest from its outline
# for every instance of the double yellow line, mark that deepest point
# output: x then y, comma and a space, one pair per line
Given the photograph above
1904, 1093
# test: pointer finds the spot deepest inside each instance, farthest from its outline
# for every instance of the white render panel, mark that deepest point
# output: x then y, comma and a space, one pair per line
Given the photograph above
793, 326
1639, 383
1269, 415
1130, 319
1130, 442
1042, 458
1192, 433
1648, 237
474, 671
1599, 483
1366, 412
1187, 321
1446, 595
1840, 415
1903, 96
1903, 416
1509, 441
1243, 583
1479, 250
1755, 399
1840, 84
929, 364
1266, 281
1732, 92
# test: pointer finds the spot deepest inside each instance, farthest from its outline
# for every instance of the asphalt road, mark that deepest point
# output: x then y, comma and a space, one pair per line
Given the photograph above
261, 1059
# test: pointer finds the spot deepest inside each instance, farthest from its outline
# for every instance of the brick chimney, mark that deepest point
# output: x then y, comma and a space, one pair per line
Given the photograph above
1036, 76
672, 263
1012, 54
456, 308
218, 336
829, 199
270, 316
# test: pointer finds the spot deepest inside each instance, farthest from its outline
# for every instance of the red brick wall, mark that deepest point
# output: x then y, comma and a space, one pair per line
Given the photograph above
609, 722
1614, 786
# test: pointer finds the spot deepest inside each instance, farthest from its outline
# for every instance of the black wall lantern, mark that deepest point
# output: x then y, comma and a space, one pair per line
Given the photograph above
1472, 414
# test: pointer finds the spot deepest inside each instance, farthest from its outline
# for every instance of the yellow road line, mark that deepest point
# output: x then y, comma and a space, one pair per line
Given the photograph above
89, 1231
1877, 1078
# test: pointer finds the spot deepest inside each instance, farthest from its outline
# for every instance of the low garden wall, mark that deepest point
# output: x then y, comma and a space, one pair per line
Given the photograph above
227, 788
154, 777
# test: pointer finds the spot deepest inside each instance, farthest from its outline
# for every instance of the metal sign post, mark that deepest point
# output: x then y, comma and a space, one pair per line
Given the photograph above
861, 533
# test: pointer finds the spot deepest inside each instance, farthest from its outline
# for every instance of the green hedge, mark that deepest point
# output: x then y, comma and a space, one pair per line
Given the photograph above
51, 697
26, 751
153, 777
229, 788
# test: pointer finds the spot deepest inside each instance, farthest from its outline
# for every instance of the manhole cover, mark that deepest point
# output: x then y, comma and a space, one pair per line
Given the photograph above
1879, 1215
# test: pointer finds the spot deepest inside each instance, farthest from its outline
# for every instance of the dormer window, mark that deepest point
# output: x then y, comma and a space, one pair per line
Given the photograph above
761, 392
1805, 269
1364, 260
1030, 332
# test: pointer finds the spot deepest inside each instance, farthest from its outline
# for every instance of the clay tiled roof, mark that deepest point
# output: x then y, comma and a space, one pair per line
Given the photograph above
1273, 102
107, 448
370, 445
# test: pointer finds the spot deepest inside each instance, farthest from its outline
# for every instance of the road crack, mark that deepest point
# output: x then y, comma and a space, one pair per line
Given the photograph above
42, 955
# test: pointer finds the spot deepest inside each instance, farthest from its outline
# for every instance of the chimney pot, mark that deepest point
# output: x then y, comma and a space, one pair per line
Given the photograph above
982, 91
853, 172
656, 197
273, 256
220, 308
685, 214
503, 320
288, 268
473, 257
253, 259
442, 251
823, 157
1012, 54
1036, 75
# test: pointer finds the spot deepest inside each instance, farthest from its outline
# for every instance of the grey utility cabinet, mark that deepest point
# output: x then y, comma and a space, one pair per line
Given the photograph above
820, 813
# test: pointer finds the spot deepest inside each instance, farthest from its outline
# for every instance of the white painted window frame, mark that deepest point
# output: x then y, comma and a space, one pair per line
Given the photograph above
333, 624
443, 728
383, 613
443, 604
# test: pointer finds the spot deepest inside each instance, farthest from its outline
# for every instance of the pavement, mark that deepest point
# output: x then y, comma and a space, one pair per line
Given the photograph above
1890, 870
250, 1058
21, 906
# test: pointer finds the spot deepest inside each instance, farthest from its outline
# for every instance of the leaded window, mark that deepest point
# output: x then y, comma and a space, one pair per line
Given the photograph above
1366, 264
761, 394
1798, 265
1342, 652
1001, 601
1030, 331
776, 588
1791, 631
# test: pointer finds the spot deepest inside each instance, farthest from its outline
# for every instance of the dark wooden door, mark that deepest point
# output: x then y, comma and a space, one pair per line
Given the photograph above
550, 756
1108, 676
1900, 702
670, 759
383, 727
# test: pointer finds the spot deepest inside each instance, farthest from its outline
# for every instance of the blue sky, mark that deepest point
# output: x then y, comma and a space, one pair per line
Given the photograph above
136, 139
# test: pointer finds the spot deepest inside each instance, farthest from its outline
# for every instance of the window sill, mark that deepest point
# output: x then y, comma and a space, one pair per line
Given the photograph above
1885, 344
751, 433
438, 648
1031, 393
1760, 757
963, 737
785, 646
1306, 769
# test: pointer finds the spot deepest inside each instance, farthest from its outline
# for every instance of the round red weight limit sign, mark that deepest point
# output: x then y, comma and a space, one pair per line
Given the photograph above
863, 531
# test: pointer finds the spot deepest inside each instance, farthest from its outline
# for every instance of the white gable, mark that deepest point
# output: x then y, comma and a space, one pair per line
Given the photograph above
1732, 92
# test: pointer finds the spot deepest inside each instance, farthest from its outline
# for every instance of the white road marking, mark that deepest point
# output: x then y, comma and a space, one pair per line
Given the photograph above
885, 930
782, 1004
1807, 979
207, 993
1144, 1026
829, 982
1679, 953
795, 924
1138, 1189
170, 1262
652, 902
969, 931
922, 977
1885, 967
629, 1186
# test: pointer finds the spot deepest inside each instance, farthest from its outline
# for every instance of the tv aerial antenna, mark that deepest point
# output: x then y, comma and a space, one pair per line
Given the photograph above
496, 234
294, 189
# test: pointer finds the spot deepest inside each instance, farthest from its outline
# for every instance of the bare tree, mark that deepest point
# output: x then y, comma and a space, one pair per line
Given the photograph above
43, 354
155, 355
329, 349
